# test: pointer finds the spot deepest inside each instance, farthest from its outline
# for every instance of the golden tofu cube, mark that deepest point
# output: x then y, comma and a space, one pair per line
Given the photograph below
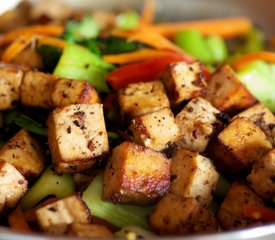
263, 118
193, 175
227, 93
140, 98
69, 91
89, 230
198, 122
177, 215
24, 153
230, 214
54, 218
262, 176
13, 186
148, 130
37, 88
135, 174
184, 81
236, 148
10, 82
77, 137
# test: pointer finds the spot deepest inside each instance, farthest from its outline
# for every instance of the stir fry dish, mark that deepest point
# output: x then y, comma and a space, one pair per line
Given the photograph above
114, 125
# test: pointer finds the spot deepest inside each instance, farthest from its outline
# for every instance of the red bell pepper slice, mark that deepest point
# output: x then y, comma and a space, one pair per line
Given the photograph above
259, 213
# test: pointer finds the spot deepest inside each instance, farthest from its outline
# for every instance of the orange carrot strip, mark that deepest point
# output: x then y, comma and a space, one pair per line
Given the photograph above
54, 42
250, 57
136, 56
18, 222
148, 12
225, 27
16, 47
51, 30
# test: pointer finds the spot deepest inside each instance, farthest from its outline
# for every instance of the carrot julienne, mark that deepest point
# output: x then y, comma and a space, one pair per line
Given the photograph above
148, 12
259, 213
18, 222
250, 57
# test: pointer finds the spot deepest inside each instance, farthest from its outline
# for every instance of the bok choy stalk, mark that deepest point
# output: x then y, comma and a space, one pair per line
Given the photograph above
47, 185
78, 62
118, 215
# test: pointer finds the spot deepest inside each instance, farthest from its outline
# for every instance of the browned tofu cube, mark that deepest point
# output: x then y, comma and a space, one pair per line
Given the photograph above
89, 230
24, 153
236, 148
148, 130
184, 81
54, 218
193, 175
13, 186
69, 91
262, 177
263, 118
135, 174
177, 215
198, 122
227, 93
140, 98
10, 82
37, 88
77, 137
230, 214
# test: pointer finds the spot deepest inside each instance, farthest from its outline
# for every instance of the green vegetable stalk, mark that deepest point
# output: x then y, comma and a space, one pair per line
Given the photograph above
118, 215
48, 184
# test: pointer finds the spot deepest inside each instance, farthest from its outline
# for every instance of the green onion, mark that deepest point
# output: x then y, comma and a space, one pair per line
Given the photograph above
78, 62
118, 215
48, 184
217, 48
127, 20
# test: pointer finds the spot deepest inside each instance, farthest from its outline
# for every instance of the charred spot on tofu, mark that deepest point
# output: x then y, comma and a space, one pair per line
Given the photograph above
198, 122
37, 88
69, 91
10, 82
135, 174
13, 186
227, 93
177, 215
230, 214
148, 130
262, 176
24, 153
184, 81
263, 118
236, 148
140, 98
194, 176
54, 218
77, 137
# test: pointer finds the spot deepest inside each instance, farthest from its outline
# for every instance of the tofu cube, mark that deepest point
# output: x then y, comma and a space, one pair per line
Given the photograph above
198, 122
193, 175
148, 130
140, 98
10, 82
184, 81
263, 118
177, 215
236, 148
37, 88
13, 186
135, 174
77, 137
24, 153
262, 177
69, 91
89, 230
54, 218
230, 214
227, 93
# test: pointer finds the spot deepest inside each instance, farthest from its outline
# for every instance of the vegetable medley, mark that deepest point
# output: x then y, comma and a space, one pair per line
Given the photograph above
113, 125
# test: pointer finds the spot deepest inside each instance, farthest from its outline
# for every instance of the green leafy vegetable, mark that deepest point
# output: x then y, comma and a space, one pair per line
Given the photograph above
79, 63
48, 184
127, 20
118, 215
